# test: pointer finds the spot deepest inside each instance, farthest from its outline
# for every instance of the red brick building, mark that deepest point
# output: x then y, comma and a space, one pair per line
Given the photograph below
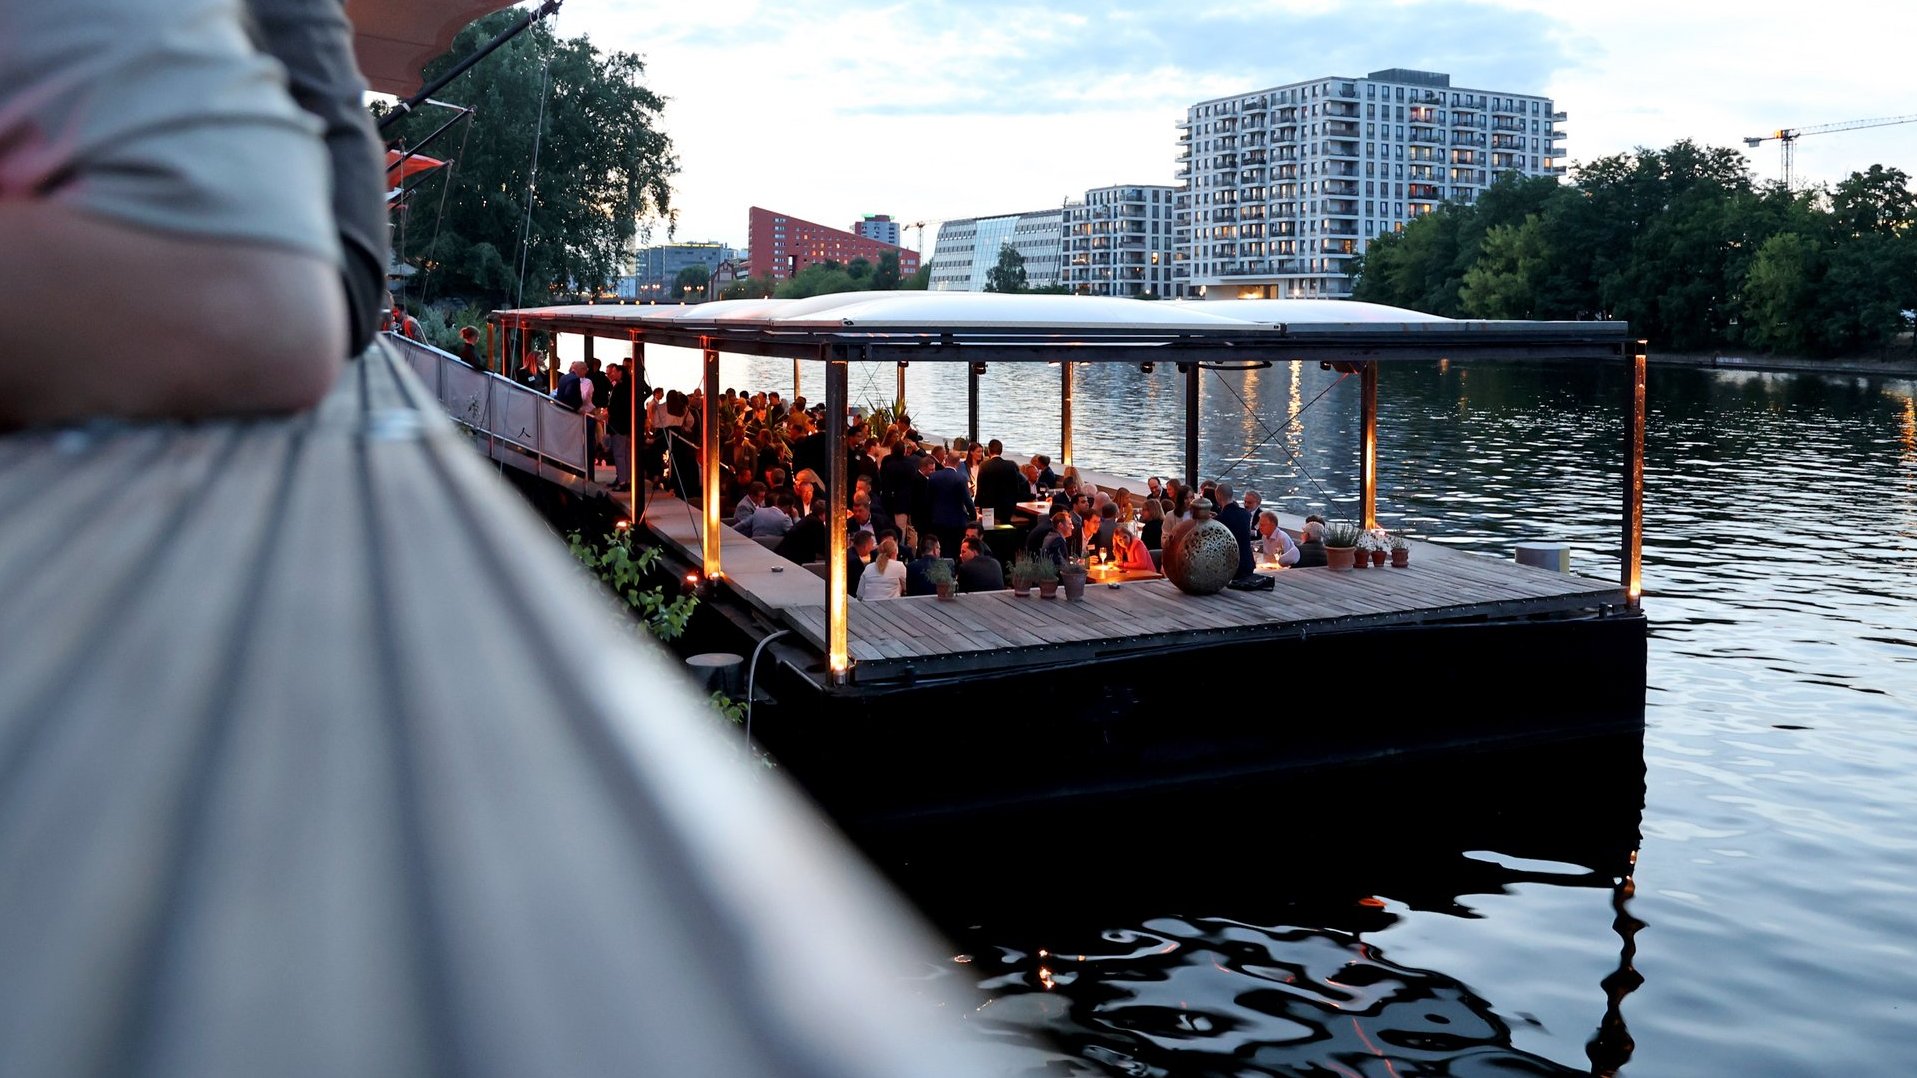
782, 245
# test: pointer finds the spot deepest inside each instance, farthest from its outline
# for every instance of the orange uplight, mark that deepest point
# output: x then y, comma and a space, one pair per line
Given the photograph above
622, 525
692, 580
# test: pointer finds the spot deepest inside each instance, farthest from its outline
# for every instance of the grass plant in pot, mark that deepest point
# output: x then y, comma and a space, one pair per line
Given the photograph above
1045, 575
1341, 545
1400, 551
939, 572
1024, 573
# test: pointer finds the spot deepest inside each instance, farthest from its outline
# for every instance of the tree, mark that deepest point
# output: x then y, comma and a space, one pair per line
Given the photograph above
920, 280
691, 282
604, 163
1009, 274
886, 276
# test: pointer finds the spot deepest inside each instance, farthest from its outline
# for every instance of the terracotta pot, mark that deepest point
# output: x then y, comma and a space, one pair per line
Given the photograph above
1021, 591
1340, 557
1401, 559
946, 592
1360, 558
1048, 589
1074, 586
1378, 557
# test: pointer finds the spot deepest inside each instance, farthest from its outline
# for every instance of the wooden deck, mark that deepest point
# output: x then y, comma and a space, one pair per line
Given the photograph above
917, 636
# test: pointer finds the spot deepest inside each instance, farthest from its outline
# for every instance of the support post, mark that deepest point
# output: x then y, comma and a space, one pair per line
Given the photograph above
552, 356
592, 464
1632, 560
971, 404
492, 356
709, 461
838, 652
795, 377
1065, 416
898, 401
1191, 425
1368, 450
635, 425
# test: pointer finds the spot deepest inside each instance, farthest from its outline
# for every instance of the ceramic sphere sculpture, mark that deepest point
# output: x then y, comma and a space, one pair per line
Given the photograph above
1201, 558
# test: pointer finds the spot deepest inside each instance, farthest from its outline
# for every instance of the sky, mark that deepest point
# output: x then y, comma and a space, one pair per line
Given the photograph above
928, 110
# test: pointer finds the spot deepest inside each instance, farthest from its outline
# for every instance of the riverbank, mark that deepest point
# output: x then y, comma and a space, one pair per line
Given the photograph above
1902, 367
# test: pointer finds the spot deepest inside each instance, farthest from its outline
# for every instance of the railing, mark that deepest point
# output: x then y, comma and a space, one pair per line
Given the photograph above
544, 431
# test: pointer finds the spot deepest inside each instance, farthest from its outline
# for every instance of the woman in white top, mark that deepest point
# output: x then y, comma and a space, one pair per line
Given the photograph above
885, 577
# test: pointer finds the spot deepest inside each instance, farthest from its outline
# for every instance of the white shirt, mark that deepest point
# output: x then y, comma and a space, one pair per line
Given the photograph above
886, 584
656, 413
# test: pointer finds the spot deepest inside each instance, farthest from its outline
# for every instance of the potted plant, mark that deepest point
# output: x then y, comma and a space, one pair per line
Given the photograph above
1400, 551
1072, 575
1341, 545
1376, 542
1045, 575
1024, 573
939, 572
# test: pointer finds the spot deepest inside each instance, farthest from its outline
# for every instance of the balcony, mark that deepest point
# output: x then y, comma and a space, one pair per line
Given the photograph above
1341, 129
1467, 140
1557, 136
1428, 135
1341, 148
1559, 117
1507, 125
1346, 109
1424, 192
1341, 187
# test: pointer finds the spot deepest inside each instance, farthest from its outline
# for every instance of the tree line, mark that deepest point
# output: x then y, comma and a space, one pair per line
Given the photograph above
1683, 243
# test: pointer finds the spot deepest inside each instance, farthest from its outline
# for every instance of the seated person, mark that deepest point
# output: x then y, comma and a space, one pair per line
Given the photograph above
1273, 546
774, 519
1101, 540
806, 541
881, 575
749, 504
1130, 552
978, 571
1311, 548
916, 582
1057, 545
153, 154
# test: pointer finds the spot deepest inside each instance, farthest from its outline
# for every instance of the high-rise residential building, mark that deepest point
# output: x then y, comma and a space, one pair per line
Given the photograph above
1118, 241
878, 226
967, 248
655, 270
783, 245
1284, 186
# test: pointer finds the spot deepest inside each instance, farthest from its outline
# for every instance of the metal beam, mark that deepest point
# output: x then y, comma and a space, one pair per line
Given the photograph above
838, 652
1065, 415
898, 400
971, 404
1191, 425
709, 465
635, 423
1368, 447
1631, 571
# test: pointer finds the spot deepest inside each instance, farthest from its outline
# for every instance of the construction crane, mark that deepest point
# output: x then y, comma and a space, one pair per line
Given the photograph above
1787, 137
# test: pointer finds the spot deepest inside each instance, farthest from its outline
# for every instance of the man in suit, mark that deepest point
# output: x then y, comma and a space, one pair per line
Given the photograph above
951, 506
1233, 516
999, 483
978, 571
806, 541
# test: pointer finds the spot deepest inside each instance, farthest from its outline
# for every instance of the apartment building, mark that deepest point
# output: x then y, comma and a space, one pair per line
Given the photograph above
781, 246
966, 249
656, 268
1283, 187
1118, 241
877, 226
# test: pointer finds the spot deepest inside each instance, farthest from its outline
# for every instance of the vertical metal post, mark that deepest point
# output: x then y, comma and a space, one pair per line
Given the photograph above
709, 460
1191, 425
492, 355
1065, 416
795, 377
552, 357
592, 465
635, 426
898, 401
838, 652
1368, 451
971, 404
1632, 569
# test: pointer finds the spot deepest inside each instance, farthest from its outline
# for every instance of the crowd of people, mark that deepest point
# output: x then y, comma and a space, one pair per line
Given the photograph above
913, 501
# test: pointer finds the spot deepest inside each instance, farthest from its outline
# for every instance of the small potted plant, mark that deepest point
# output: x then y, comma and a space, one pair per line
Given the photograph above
1045, 575
1376, 542
1024, 573
1400, 551
1072, 575
1341, 545
941, 575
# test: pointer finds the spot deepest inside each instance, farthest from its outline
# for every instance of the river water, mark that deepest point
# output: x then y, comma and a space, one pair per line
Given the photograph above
1736, 895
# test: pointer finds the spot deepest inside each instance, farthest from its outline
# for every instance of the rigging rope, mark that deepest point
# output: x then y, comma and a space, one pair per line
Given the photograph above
1270, 433
439, 220
532, 178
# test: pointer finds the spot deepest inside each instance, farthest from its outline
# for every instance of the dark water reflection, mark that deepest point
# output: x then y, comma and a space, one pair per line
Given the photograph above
1774, 815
